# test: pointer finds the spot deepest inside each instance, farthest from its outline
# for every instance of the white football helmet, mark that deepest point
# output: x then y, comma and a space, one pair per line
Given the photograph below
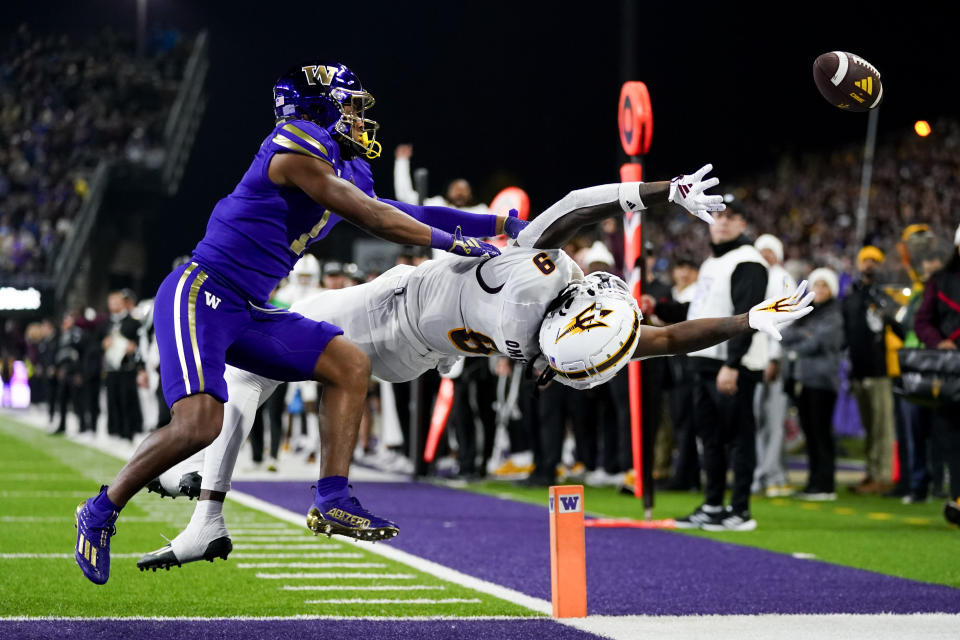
591, 334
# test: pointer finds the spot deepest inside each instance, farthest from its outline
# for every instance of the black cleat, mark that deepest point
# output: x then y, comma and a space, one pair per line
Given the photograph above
155, 486
190, 484
165, 558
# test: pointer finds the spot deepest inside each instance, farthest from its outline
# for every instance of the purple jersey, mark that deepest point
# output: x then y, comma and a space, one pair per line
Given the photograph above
257, 233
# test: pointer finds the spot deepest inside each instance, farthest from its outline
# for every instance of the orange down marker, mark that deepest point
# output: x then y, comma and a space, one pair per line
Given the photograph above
568, 560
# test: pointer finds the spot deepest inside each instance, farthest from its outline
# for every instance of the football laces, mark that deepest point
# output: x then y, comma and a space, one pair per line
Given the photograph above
864, 63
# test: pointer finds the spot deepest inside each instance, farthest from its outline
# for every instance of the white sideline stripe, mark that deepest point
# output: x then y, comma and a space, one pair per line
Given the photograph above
426, 566
258, 618
285, 547
335, 576
311, 565
303, 556
397, 601
59, 556
379, 587
772, 626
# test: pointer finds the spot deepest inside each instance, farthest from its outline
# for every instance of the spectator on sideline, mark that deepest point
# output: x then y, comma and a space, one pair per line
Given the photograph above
120, 364
867, 312
731, 281
459, 193
770, 401
918, 419
813, 346
937, 324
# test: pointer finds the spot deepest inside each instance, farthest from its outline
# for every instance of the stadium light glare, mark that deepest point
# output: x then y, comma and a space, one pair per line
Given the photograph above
922, 127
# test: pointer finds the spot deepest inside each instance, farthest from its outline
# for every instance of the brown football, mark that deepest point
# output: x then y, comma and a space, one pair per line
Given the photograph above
847, 81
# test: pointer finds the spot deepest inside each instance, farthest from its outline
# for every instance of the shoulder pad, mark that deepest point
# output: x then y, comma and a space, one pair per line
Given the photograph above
306, 138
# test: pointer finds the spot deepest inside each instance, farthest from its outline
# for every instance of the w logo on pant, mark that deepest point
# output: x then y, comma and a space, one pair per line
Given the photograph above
212, 300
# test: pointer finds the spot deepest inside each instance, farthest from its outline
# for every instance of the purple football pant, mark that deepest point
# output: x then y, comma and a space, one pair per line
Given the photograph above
202, 324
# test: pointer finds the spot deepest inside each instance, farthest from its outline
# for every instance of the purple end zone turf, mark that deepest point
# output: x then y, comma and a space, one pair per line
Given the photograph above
629, 571
533, 629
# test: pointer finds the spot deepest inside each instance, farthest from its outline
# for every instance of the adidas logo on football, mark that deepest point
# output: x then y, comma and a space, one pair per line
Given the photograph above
865, 85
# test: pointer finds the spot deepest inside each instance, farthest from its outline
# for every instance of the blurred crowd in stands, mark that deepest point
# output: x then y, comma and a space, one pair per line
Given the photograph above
66, 104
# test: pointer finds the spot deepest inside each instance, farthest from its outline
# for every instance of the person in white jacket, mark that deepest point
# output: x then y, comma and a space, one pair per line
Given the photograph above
770, 399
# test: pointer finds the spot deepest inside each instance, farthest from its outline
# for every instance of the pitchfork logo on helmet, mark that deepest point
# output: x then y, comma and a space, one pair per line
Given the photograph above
591, 334
331, 95
586, 319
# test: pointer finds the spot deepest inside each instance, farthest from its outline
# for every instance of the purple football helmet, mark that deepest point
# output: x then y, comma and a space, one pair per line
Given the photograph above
331, 95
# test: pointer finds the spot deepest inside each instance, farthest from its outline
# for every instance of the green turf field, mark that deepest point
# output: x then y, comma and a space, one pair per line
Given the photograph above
44, 478
870, 532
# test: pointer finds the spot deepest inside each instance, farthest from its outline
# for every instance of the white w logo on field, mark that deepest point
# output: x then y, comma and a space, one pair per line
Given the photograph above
212, 300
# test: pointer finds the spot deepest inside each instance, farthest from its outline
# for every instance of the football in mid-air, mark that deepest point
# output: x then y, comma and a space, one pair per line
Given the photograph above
848, 81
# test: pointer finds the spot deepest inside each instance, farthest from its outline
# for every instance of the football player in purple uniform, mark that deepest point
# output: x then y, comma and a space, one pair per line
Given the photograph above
308, 174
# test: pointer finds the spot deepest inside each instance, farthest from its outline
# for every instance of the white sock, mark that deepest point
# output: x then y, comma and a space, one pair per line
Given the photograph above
206, 525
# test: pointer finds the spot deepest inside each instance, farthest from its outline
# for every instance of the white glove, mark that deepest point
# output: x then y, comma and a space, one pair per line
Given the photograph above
770, 314
688, 192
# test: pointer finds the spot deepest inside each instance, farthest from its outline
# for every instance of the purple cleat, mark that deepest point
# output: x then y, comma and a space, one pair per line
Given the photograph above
94, 528
344, 516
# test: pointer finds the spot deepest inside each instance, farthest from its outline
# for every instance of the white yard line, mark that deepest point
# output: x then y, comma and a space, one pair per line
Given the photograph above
285, 547
311, 565
59, 556
285, 531
259, 618
378, 587
298, 556
396, 601
300, 538
335, 576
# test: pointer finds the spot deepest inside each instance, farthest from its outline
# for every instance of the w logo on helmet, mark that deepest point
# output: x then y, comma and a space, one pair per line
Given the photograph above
585, 320
319, 73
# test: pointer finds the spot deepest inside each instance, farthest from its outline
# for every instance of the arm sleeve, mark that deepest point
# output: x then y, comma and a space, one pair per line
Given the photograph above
748, 284
924, 322
591, 196
478, 225
402, 183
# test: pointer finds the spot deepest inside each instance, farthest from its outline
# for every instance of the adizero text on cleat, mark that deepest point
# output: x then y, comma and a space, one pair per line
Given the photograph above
92, 551
164, 558
345, 517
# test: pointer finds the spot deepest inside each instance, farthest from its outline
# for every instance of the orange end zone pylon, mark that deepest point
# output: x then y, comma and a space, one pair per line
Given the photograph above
568, 559
438, 421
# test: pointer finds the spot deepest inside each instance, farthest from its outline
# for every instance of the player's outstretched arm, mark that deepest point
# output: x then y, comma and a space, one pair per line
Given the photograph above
693, 335
319, 181
481, 225
554, 227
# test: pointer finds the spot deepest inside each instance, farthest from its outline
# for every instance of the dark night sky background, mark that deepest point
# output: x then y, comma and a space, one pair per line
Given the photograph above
528, 91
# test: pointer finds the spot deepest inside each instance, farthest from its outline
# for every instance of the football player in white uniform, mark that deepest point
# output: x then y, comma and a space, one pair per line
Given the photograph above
532, 303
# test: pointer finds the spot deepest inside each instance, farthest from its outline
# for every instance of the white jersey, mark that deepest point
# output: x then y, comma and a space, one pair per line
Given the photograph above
466, 307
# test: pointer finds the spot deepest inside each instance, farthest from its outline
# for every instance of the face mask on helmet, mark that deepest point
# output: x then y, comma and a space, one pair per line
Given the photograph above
592, 331
330, 95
